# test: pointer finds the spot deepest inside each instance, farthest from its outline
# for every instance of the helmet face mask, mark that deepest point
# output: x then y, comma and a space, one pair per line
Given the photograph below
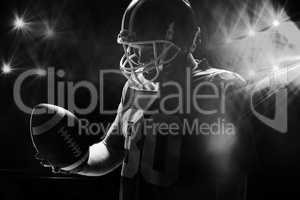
152, 35
147, 57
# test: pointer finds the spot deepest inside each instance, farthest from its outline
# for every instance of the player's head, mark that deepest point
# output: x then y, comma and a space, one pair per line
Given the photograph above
153, 34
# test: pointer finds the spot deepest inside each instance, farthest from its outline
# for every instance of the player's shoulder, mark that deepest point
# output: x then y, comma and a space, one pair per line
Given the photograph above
218, 76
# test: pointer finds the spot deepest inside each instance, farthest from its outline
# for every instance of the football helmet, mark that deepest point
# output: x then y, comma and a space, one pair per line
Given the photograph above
153, 33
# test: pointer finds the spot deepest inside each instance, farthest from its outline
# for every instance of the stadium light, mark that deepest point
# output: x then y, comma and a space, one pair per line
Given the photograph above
276, 23
49, 30
20, 24
6, 68
251, 33
275, 68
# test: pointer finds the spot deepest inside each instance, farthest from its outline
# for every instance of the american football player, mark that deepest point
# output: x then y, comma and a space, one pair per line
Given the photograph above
178, 133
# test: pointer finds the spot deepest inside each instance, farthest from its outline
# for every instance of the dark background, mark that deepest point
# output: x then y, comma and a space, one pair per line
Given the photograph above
86, 42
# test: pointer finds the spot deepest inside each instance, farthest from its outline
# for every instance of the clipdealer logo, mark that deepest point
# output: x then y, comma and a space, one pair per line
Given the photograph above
276, 84
187, 98
62, 93
187, 127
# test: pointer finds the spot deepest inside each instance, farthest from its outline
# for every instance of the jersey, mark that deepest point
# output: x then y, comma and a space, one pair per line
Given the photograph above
195, 153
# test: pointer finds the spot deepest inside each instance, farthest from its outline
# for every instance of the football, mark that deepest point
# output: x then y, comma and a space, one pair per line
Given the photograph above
55, 136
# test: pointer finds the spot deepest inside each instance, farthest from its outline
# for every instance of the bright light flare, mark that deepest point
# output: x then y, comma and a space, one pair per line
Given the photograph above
251, 33
251, 73
228, 40
276, 23
239, 24
6, 68
40, 72
21, 24
49, 31
275, 68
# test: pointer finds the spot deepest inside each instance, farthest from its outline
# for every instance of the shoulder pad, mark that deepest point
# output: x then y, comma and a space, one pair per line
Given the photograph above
214, 74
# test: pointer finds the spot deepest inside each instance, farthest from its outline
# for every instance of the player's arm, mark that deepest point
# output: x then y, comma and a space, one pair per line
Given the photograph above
60, 147
106, 155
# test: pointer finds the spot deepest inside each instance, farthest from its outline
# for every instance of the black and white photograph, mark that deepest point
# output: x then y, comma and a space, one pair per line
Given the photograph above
149, 99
